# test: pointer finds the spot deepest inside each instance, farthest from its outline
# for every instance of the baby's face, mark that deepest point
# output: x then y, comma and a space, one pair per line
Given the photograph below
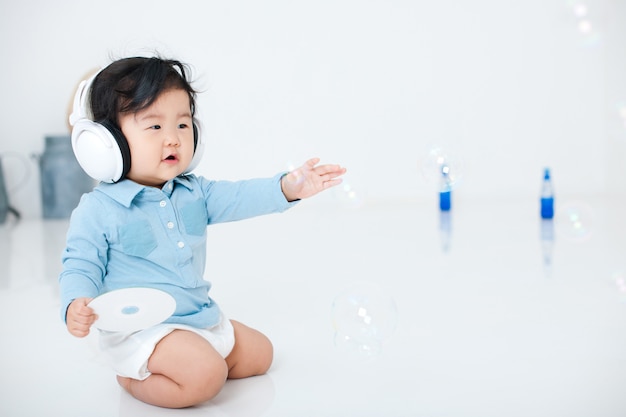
160, 139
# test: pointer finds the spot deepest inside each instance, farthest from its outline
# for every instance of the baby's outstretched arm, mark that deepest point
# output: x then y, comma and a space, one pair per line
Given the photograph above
310, 179
80, 317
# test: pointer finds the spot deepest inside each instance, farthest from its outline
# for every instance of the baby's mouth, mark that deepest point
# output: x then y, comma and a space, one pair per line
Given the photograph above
171, 158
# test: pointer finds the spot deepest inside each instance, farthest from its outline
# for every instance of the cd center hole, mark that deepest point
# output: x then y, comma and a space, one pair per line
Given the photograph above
130, 310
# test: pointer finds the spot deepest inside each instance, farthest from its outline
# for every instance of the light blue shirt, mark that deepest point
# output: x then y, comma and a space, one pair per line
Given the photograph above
129, 235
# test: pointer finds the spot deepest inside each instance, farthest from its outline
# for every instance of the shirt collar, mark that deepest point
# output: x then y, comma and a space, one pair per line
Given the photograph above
125, 191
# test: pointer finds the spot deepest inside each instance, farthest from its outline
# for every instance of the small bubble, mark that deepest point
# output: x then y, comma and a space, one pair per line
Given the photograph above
584, 26
290, 166
364, 316
348, 195
293, 175
618, 280
580, 10
575, 221
440, 160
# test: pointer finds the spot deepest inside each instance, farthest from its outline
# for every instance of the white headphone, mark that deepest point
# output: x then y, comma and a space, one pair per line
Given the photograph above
101, 148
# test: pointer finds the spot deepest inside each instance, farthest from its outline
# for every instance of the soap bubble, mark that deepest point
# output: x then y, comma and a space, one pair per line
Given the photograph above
364, 316
619, 280
439, 161
574, 221
294, 176
590, 36
584, 23
584, 27
290, 166
580, 10
349, 195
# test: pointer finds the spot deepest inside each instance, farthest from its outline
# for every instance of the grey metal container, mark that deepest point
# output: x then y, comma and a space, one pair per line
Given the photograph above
63, 181
4, 198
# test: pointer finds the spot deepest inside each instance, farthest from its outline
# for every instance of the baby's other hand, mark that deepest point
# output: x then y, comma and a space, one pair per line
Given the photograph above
80, 317
310, 179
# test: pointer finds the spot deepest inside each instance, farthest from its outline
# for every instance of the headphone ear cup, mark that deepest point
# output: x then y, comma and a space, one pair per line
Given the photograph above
198, 147
122, 143
98, 151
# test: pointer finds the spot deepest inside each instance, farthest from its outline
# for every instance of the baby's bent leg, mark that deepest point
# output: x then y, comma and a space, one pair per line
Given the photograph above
252, 354
186, 370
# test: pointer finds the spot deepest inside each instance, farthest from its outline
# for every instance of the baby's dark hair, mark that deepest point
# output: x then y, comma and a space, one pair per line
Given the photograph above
130, 85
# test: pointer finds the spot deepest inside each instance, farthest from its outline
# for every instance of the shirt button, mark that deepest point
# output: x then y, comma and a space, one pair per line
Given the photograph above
162, 203
181, 244
170, 225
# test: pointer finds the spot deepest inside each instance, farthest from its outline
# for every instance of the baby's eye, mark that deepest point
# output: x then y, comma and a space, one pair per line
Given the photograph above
183, 126
155, 127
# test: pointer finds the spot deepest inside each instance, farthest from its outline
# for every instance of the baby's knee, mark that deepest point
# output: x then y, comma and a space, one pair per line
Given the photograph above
207, 381
266, 357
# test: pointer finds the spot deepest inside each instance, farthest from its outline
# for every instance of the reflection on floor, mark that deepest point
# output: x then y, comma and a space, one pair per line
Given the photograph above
381, 309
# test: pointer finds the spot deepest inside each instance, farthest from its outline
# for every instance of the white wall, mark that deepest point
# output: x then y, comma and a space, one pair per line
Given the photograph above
509, 86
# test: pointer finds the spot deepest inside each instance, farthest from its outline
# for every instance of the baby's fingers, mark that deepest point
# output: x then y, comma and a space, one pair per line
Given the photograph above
331, 183
330, 169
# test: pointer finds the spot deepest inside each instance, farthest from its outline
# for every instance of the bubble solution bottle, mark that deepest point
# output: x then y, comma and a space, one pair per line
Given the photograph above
547, 196
445, 192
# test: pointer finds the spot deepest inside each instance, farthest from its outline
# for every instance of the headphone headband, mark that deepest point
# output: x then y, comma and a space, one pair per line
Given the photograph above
80, 109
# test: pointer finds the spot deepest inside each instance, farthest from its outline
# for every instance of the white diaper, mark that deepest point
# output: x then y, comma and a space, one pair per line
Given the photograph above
128, 353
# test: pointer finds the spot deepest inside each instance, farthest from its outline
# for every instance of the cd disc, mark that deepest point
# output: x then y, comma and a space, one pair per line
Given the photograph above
132, 309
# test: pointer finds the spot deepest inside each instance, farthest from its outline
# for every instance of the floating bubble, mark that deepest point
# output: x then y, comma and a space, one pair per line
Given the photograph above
584, 27
580, 10
293, 175
619, 279
364, 317
574, 221
591, 38
290, 166
584, 23
440, 161
349, 195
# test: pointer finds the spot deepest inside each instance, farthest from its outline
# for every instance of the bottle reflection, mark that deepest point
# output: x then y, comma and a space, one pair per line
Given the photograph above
547, 244
445, 230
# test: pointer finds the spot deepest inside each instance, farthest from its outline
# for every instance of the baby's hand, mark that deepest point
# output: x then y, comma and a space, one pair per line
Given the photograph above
79, 317
309, 179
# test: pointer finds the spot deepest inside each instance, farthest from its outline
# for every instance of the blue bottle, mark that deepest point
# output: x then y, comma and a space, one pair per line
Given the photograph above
445, 192
547, 196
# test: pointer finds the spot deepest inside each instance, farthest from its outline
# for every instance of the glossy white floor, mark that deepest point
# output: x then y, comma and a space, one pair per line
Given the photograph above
485, 326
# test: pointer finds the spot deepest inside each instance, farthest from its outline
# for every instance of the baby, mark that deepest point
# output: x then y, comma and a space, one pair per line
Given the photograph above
144, 225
